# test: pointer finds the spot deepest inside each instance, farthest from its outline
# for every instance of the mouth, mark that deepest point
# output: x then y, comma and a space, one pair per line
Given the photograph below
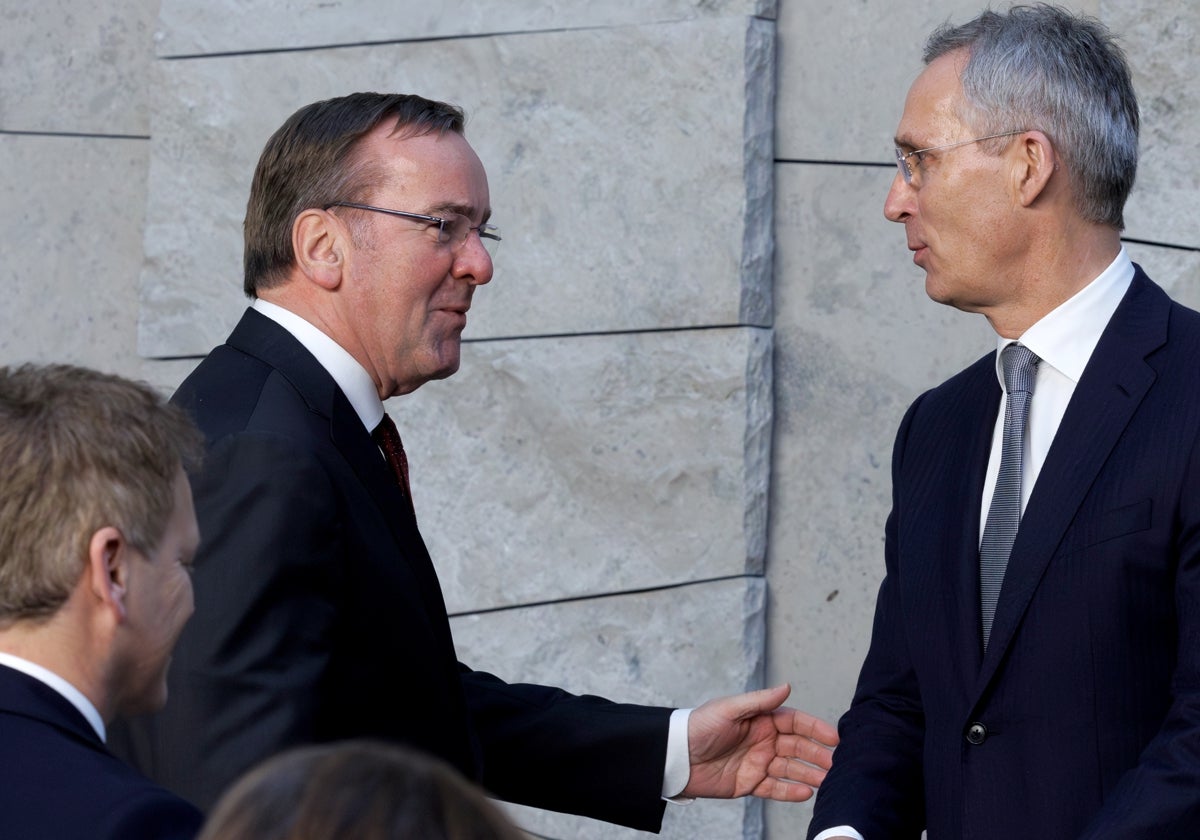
458, 313
919, 252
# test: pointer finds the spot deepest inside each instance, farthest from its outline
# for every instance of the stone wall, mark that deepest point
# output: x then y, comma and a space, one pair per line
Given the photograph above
697, 299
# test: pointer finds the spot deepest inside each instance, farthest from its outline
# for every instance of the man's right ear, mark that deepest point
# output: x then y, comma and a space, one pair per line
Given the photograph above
320, 241
108, 569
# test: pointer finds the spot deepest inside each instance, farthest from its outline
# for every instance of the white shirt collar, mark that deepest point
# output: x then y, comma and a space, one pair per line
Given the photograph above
349, 375
54, 681
1066, 337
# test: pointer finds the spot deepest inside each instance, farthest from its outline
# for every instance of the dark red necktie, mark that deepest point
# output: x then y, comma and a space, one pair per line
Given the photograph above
388, 439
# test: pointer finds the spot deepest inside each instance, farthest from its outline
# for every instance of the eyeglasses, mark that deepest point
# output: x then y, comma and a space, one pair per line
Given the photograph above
907, 171
453, 229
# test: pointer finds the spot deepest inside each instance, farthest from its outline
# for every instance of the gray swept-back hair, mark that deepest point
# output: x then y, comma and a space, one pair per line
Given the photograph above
1042, 67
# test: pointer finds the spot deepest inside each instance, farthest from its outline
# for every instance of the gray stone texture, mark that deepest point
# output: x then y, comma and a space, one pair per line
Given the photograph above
844, 69
1164, 48
76, 66
72, 211
191, 28
559, 468
73, 207
656, 648
614, 215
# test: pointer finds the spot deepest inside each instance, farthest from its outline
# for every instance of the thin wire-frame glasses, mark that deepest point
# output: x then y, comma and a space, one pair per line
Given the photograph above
452, 229
906, 169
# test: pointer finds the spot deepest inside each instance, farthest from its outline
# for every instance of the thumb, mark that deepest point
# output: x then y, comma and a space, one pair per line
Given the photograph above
759, 702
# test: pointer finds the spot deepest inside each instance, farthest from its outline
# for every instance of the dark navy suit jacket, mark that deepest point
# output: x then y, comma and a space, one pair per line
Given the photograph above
319, 615
1083, 717
58, 781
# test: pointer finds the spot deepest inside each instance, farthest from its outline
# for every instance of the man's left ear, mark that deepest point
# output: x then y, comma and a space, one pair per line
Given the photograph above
1036, 163
108, 569
319, 241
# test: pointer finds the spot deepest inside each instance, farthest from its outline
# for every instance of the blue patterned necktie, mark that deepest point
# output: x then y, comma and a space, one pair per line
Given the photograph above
1004, 514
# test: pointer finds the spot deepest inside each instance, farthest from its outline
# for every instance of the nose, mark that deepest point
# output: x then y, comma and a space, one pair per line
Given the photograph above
898, 206
473, 263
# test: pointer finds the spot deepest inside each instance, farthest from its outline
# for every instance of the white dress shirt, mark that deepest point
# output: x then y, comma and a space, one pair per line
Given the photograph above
1064, 340
360, 390
54, 681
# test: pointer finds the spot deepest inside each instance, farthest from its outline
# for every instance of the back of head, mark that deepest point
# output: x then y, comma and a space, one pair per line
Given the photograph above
355, 790
1044, 68
81, 450
310, 162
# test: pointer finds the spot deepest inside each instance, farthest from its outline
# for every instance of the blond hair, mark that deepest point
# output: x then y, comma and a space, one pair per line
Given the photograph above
80, 450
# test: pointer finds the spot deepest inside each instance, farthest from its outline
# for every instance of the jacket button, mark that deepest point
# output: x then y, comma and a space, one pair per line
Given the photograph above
976, 733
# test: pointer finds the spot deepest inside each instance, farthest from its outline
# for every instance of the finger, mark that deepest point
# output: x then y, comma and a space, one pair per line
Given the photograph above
791, 770
782, 790
802, 749
794, 721
760, 702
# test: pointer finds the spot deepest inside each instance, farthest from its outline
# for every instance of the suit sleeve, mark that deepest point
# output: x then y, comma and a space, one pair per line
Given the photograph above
875, 785
150, 814
246, 673
1160, 796
579, 754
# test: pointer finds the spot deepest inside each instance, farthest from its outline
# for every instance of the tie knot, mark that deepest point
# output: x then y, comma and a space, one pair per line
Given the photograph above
1020, 368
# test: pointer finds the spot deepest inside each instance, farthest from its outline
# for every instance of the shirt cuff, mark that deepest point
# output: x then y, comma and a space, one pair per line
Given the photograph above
839, 831
678, 769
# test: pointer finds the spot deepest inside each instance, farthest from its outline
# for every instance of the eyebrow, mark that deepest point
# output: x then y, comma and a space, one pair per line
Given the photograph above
461, 209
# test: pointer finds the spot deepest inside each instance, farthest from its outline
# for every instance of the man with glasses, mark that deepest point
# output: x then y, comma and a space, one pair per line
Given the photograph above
319, 612
1034, 669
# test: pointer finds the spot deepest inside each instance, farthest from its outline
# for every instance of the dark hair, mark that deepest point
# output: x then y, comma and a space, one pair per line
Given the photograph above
310, 162
80, 450
355, 790
1043, 67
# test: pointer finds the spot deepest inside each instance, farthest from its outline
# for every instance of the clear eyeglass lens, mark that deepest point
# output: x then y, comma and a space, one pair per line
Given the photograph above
457, 229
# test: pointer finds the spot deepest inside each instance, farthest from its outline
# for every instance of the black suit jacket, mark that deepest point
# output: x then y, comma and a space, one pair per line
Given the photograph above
1083, 717
319, 615
58, 781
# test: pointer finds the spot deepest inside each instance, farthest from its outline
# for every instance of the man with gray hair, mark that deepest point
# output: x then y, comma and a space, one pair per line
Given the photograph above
1034, 669
97, 533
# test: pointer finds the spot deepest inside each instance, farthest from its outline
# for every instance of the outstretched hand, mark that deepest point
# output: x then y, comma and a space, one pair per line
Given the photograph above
748, 744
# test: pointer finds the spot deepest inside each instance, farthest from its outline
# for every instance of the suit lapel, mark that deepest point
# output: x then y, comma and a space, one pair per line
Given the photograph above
259, 336
23, 695
945, 529
1112, 387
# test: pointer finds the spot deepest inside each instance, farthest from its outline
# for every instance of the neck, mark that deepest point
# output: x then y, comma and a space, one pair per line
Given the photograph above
58, 648
1060, 262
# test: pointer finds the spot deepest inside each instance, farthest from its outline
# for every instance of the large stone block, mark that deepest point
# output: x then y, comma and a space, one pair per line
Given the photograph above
72, 209
674, 647
569, 467
630, 172
188, 27
74, 66
845, 68
1164, 50
1176, 270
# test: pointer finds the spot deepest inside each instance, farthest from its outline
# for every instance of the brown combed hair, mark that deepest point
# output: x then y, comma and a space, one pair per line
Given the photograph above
309, 162
80, 450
